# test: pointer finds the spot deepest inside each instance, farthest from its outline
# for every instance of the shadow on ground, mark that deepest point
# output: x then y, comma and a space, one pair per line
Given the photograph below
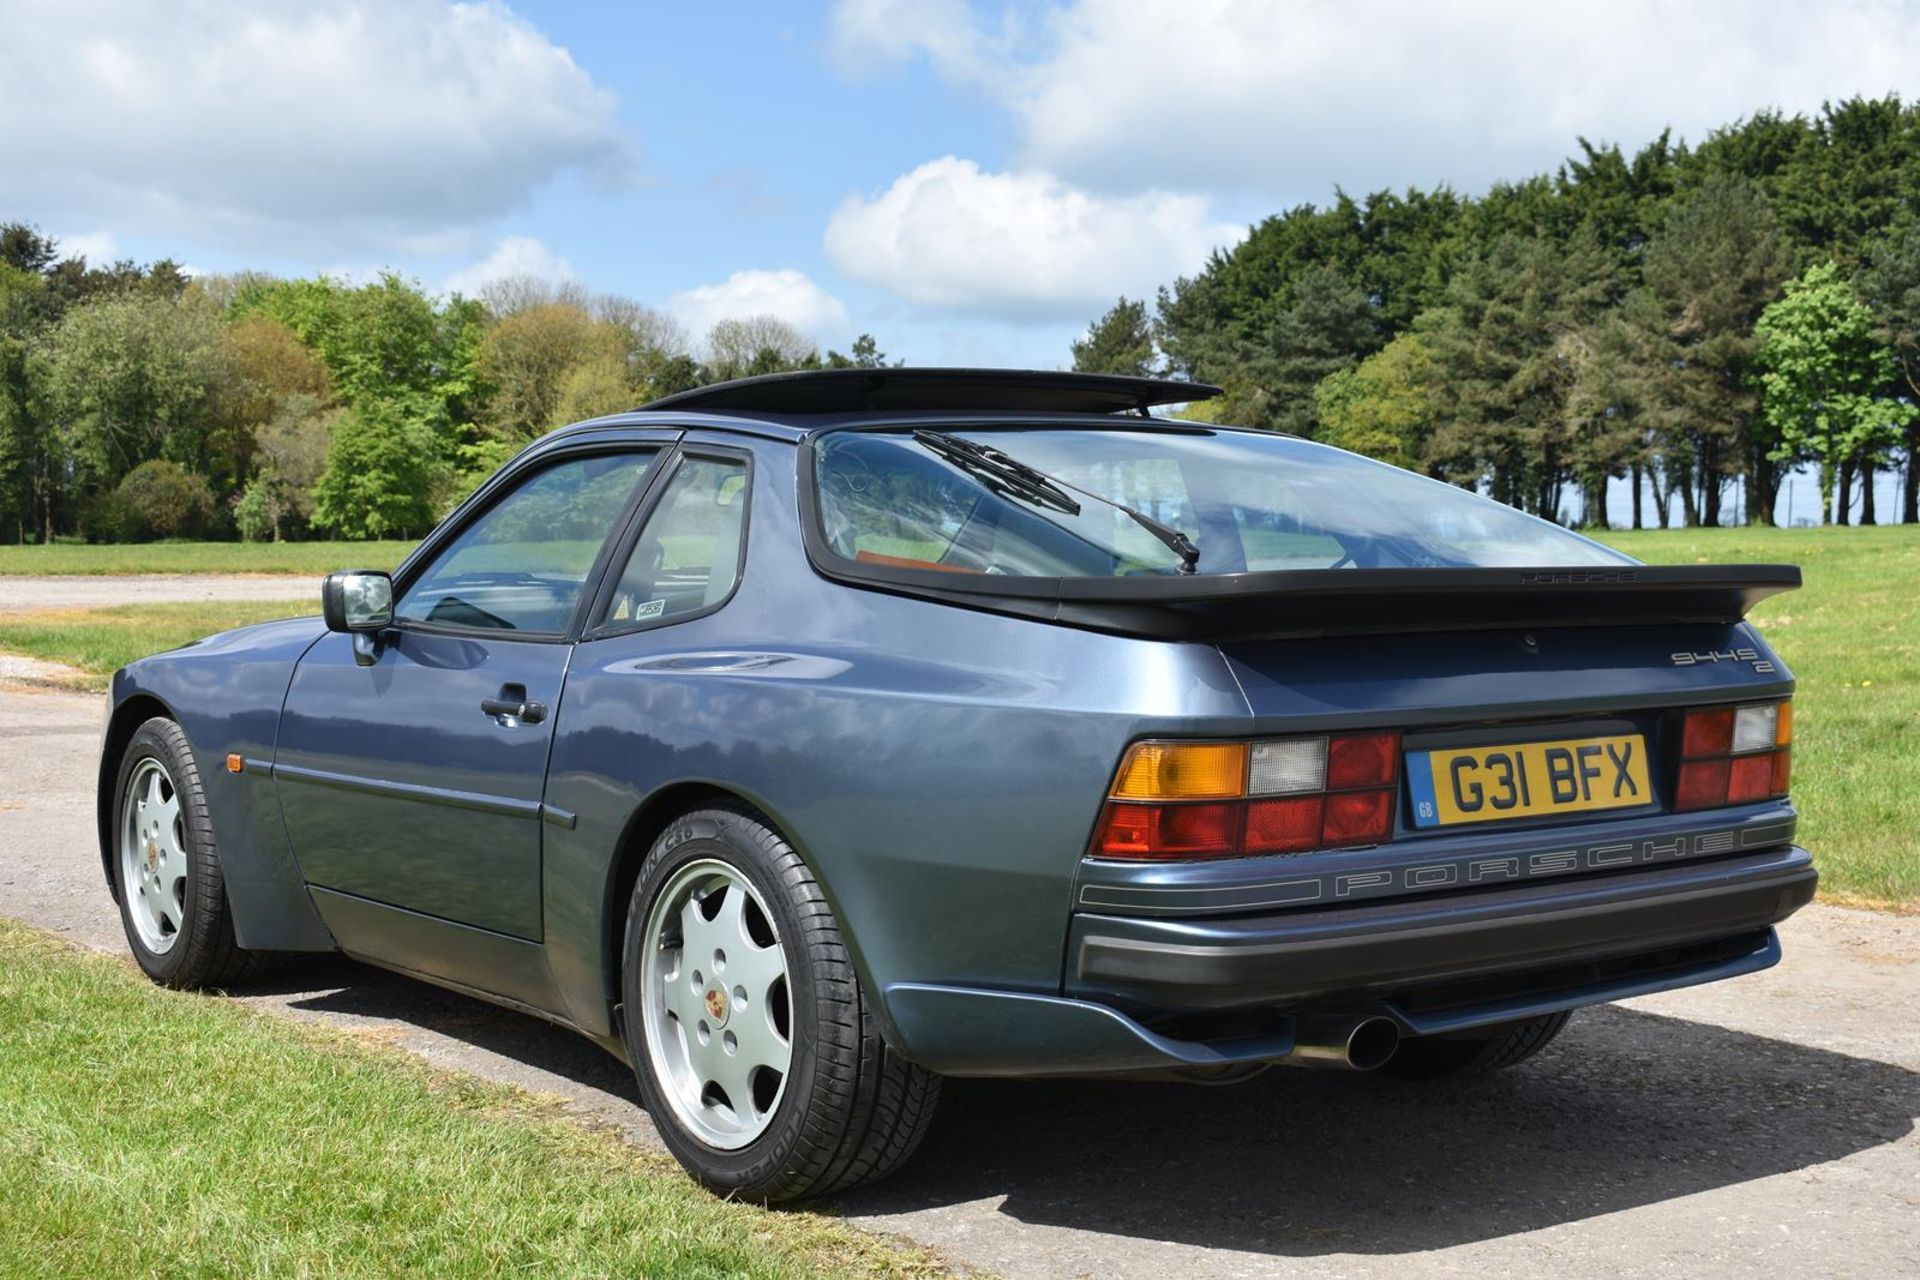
1627, 1109
342, 988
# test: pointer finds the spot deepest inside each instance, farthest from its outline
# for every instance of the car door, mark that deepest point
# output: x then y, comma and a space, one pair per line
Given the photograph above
410, 771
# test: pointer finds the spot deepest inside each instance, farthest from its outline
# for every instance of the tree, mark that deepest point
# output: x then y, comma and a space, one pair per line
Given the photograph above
384, 343
1823, 368
134, 377
756, 345
1890, 285
1614, 432
1506, 349
864, 354
1121, 341
1328, 324
271, 367
1384, 407
25, 250
292, 449
30, 457
603, 384
380, 475
159, 500
1716, 262
527, 358
646, 331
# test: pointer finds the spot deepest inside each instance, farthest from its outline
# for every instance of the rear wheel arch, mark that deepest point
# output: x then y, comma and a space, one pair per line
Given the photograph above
655, 814
123, 724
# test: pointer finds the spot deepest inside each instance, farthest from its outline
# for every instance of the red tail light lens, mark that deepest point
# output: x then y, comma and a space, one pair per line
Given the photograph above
1359, 817
1750, 779
1291, 825
1364, 760
1148, 831
1703, 785
1734, 755
1708, 733
1288, 795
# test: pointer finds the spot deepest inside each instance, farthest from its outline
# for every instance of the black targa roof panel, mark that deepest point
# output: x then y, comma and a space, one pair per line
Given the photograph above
930, 390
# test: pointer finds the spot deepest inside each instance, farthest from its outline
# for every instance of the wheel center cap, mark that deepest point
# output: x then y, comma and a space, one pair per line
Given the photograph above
717, 1005
153, 856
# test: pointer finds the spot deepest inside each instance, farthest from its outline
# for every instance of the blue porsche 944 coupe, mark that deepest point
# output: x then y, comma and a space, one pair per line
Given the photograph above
804, 740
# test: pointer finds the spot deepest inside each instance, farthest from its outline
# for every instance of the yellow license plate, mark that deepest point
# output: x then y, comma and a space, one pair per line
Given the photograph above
1527, 779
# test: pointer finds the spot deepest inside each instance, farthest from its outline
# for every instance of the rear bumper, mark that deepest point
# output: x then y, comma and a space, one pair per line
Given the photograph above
1146, 993
1262, 961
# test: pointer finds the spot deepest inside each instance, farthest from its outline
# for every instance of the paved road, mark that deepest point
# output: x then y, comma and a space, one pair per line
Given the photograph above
20, 592
1764, 1125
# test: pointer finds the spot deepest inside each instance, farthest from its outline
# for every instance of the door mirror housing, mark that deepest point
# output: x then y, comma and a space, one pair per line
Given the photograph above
359, 600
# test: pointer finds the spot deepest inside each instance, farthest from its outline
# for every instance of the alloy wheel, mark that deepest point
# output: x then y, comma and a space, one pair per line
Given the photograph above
153, 856
717, 1010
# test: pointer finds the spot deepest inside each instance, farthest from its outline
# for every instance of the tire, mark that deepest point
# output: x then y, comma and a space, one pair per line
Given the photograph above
1475, 1054
845, 1110
166, 867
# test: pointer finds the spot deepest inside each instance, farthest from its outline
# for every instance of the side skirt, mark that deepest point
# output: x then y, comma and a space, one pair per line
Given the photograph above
510, 972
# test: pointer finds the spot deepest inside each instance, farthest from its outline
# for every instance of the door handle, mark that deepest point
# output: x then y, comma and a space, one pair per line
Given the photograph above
512, 703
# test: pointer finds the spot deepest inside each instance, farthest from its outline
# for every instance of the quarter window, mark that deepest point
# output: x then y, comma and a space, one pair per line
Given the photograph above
521, 565
688, 557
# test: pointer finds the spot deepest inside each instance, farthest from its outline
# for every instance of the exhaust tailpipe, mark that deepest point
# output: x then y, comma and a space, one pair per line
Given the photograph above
1341, 1042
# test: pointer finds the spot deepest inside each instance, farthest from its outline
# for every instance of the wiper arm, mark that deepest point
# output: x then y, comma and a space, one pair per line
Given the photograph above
1024, 480
1001, 473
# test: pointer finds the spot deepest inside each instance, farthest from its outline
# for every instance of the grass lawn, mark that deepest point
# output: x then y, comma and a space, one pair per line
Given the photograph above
314, 558
148, 1132
102, 640
1852, 637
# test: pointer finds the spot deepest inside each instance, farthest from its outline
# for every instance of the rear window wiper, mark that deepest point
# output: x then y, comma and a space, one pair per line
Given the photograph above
1001, 473
1019, 479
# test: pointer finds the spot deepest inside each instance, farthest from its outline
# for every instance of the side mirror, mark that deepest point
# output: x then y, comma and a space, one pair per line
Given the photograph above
357, 600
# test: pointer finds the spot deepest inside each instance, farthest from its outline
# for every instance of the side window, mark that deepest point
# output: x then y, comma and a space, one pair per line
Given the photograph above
688, 556
522, 564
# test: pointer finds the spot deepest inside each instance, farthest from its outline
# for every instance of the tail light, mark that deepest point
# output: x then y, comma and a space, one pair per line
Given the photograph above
1179, 800
1734, 755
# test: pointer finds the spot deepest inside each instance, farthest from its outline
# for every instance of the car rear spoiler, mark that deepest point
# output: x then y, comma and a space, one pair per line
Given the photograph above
1218, 608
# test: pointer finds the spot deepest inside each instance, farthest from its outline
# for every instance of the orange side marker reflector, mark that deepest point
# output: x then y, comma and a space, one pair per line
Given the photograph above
235, 762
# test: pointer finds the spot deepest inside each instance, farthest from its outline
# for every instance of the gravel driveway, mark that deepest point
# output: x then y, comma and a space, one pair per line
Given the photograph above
1765, 1125
20, 592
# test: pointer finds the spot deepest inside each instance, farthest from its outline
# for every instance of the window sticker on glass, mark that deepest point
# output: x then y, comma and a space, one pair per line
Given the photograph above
650, 609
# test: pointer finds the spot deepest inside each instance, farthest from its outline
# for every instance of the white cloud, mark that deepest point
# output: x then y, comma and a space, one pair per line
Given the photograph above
308, 126
1289, 97
864, 36
785, 294
1019, 245
99, 248
516, 257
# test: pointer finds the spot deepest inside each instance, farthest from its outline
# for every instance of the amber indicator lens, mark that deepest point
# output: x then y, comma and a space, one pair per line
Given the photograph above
1183, 771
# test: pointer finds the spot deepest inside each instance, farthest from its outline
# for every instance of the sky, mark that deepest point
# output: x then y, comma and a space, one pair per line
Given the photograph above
971, 183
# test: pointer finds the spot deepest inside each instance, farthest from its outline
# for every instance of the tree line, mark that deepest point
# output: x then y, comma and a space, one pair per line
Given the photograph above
1696, 320
138, 403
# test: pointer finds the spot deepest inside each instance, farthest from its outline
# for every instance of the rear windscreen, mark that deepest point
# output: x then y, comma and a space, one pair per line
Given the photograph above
1250, 501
